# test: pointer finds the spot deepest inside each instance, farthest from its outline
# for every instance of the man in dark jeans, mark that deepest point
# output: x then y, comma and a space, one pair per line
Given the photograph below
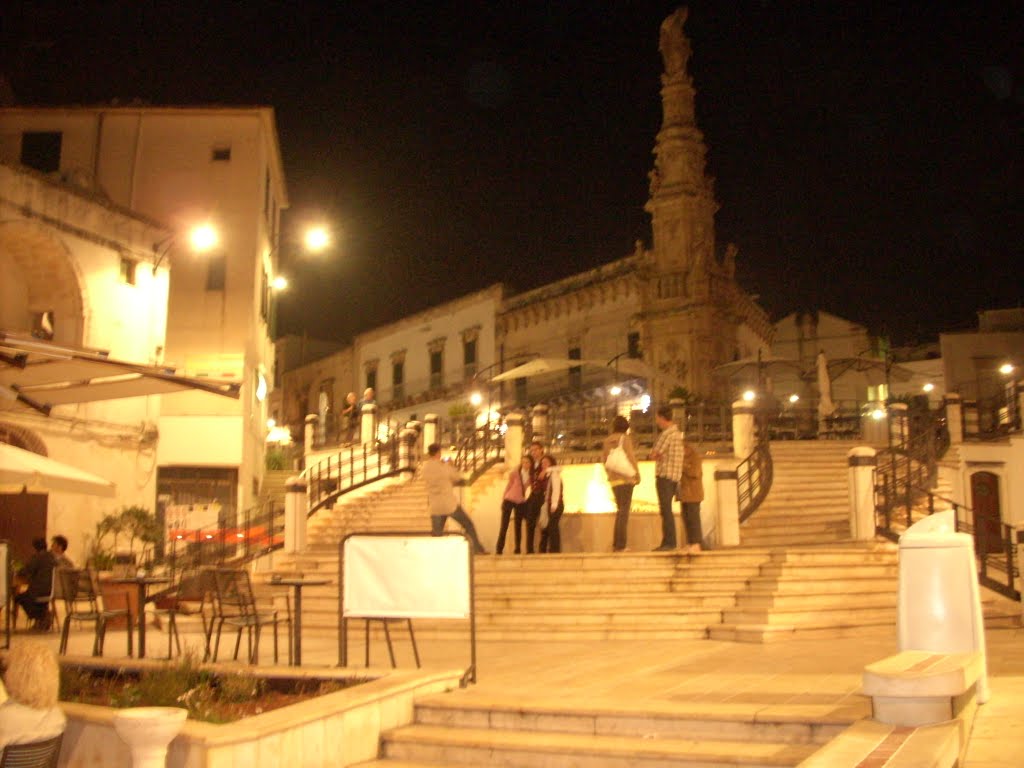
37, 573
538, 484
668, 469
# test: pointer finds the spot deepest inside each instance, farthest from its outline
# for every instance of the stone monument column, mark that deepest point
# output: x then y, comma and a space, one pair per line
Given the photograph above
726, 487
429, 430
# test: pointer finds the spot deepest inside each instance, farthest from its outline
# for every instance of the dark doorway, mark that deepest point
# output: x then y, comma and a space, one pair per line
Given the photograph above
987, 517
22, 518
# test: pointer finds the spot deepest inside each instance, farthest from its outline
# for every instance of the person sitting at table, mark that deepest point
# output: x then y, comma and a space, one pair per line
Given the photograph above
32, 680
37, 574
59, 548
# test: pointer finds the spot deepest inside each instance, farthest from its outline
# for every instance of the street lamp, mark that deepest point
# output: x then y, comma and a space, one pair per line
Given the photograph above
202, 238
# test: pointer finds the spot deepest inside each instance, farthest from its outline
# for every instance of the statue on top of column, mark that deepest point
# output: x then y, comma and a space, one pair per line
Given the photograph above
672, 42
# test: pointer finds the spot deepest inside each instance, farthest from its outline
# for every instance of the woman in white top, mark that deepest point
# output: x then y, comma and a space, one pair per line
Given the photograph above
552, 508
32, 680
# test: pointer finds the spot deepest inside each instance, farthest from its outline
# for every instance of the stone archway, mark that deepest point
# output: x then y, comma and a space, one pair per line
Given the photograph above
39, 277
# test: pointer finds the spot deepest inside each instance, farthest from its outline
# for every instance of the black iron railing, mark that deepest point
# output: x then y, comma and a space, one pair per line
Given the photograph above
479, 448
754, 477
353, 466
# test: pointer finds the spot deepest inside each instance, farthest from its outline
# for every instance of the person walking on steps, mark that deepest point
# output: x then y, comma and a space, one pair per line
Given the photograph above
440, 477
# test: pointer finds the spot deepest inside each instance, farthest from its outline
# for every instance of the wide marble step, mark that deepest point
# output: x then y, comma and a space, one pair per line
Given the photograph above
527, 749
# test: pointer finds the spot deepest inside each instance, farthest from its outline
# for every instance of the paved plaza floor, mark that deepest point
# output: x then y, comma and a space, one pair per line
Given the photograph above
812, 671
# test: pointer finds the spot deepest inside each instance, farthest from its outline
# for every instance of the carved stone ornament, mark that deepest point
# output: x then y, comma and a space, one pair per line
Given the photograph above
672, 43
437, 345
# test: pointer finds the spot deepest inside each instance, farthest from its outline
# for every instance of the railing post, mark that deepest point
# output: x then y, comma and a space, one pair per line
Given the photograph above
368, 424
954, 418
728, 508
296, 504
862, 461
406, 440
429, 430
742, 429
539, 420
309, 436
898, 424
513, 438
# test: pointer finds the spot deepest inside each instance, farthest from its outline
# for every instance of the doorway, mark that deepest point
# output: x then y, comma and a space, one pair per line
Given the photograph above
987, 516
22, 519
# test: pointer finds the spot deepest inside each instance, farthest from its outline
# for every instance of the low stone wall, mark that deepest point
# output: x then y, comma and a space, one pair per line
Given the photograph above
337, 729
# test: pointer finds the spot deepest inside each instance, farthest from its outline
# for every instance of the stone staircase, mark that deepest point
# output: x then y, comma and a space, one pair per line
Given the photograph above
474, 728
809, 499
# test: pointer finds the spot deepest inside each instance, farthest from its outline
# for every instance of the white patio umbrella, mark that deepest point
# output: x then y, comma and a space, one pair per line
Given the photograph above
826, 407
757, 367
20, 467
542, 365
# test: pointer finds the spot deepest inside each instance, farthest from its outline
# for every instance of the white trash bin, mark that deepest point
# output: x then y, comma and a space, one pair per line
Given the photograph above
939, 606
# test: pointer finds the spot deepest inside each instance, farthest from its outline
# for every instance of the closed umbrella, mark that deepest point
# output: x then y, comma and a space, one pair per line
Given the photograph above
826, 407
20, 467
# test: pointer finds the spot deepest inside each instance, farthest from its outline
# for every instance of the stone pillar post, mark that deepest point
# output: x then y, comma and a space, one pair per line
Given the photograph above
429, 430
368, 424
954, 418
678, 407
513, 438
407, 452
309, 434
862, 463
296, 505
540, 423
742, 429
899, 424
728, 508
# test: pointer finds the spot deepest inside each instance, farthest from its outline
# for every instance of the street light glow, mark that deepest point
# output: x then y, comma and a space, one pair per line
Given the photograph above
749, 395
615, 391
279, 283
203, 238
928, 387
1006, 369
316, 239
475, 399
794, 398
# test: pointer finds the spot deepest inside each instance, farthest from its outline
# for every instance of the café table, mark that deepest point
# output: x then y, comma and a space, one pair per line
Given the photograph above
141, 583
297, 583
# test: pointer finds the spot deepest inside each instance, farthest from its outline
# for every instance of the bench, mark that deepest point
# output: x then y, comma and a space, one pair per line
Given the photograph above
920, 687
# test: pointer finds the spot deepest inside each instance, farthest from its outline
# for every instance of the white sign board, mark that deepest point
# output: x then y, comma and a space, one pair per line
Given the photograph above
415, 577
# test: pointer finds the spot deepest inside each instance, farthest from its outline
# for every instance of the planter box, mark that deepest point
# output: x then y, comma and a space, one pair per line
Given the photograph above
337, 729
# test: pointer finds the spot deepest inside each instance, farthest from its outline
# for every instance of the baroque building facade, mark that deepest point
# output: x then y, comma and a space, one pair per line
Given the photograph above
675, 306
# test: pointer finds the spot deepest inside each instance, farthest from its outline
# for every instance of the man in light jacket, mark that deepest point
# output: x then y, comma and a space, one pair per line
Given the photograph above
441, 478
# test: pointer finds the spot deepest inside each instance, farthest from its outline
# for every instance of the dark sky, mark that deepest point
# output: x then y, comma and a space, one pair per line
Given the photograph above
868, 157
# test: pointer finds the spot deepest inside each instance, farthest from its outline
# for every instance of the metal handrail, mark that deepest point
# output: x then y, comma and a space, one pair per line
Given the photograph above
352, 467
754, 477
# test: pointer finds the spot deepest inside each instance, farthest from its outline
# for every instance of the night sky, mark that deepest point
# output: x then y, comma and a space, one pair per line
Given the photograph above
868, 157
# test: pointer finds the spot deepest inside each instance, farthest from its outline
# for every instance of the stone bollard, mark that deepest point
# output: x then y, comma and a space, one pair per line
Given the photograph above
429, 430
726, 481
742, 429
862, 463
368, 424
296, 505
406, 452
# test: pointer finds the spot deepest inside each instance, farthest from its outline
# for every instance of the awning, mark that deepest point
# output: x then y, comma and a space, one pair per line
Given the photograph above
40, 375
27, 469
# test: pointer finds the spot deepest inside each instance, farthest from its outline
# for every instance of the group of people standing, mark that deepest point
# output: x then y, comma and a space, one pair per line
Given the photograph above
533, 498
533, 495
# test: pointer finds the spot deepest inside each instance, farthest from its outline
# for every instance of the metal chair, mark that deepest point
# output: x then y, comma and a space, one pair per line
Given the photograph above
82, 602
236, 606
193, 596
33, 754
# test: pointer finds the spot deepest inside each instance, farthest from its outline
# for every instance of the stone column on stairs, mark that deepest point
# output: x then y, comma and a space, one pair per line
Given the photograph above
296, 505
309, 434
407, 453
954, 418
862, 461
742, 429
429, 430
513, 438
368, 424
899, 424
728, 508
539, 422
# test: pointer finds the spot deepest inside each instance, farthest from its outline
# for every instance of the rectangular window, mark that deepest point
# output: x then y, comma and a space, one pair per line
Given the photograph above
221, 154
575, 372
436, 370
398, 380
371, 378
216, 272
469, 358
41, 150
127, 270
633, 345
